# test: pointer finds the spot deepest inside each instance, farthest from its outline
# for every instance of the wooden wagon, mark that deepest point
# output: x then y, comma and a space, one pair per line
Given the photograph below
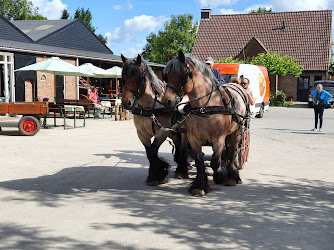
31, 113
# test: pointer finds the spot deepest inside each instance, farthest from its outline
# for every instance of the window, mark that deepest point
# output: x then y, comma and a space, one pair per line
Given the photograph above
317, 78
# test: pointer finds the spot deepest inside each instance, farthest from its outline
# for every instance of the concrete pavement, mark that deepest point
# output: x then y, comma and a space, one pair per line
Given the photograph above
84, 189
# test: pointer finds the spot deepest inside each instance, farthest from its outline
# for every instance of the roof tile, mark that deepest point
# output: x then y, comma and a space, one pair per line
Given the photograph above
306, 37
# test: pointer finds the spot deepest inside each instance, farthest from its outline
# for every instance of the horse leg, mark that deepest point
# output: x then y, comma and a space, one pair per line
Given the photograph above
233, 176
159, 167
181, 156
200, 185
219, 166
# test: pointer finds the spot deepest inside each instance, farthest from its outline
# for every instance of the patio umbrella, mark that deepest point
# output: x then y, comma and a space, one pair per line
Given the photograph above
96, 71
117, 71
57, 67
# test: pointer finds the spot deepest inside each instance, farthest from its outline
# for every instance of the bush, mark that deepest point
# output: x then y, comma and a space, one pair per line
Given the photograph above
277, 100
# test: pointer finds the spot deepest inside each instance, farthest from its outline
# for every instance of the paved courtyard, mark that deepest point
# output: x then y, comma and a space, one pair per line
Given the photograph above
84, 189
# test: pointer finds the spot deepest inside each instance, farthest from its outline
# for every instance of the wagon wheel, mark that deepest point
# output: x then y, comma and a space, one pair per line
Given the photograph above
29, 125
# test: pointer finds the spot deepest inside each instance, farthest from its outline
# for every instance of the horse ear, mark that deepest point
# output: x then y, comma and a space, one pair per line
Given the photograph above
170, 56
124, 59
182, 58
138, 60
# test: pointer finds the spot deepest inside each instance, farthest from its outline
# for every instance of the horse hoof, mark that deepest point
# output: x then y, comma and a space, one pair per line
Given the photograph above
180, 176
153, 183
198, 192
230, 182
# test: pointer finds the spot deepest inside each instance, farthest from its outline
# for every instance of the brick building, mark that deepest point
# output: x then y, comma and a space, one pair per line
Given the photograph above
26, 42
304, 35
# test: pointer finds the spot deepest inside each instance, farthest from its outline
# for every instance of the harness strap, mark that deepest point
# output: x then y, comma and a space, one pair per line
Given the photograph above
149, 112
211, 110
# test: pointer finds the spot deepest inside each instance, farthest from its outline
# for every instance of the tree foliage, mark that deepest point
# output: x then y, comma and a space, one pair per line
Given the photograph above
331, 68
179, 33
19, 10
86, 17
261, 10
275, 63
65, 14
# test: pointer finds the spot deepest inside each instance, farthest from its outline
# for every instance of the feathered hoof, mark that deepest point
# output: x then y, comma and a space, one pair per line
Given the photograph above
198, 192
152, 183
230, 182
181, 176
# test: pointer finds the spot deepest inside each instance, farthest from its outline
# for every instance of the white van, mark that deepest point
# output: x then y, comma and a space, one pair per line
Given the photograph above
258, 78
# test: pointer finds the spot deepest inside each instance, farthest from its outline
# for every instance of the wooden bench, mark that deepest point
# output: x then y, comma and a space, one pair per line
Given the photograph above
57, 110
86, 103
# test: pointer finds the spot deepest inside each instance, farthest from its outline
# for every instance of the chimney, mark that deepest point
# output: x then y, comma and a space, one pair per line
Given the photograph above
205, 13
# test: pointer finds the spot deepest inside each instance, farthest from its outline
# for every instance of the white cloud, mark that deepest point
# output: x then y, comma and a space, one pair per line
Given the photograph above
299, 5
117, 7
215, 3
245, 11
50, 9
128, 5
138, 25
134, 51
228, 12
256, 7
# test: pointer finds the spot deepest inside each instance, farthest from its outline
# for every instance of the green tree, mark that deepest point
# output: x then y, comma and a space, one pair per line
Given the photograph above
65, 14
86, 17
179, 33
19, 10
261, 10
331, 68
277, 64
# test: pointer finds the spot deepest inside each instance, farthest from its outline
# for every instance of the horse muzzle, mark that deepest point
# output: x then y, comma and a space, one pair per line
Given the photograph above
171, 103
128, 103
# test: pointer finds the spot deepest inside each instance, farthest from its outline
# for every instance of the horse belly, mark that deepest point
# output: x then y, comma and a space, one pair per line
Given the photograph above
208, 128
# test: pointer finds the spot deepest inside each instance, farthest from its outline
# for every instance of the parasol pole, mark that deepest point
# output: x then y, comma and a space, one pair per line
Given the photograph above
55, 90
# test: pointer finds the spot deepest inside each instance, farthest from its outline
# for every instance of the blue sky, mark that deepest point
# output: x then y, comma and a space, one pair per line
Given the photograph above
127, 23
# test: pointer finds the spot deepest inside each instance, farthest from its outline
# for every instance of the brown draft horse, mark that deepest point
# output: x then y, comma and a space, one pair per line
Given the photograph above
214, 112
142, 93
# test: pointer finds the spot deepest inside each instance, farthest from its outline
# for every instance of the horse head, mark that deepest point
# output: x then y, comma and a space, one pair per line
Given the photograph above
134, 78
179, 78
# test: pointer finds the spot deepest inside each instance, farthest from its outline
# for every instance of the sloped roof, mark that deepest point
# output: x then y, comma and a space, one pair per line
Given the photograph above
64, 33
304, 35
11, 32
37, 29
63, 38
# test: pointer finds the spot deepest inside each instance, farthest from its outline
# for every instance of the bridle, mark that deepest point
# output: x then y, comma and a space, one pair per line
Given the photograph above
141, 80
183, 78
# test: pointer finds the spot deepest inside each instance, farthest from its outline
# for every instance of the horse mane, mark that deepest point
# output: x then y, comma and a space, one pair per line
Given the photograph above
130, 67
175, 65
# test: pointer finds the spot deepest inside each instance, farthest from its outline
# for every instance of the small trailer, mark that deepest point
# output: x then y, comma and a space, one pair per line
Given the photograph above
31, 113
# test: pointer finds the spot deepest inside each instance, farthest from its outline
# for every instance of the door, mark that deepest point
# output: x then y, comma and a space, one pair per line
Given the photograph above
59, 88
303, 88
22, 76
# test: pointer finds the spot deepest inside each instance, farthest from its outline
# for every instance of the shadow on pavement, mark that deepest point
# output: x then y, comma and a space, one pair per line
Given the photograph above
300, 212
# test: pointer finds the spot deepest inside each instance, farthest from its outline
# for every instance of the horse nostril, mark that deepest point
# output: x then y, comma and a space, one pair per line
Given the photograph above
128, 103
169, 103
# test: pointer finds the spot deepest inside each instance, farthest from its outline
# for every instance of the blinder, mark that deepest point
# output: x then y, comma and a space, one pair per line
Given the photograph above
183, 79
141, 79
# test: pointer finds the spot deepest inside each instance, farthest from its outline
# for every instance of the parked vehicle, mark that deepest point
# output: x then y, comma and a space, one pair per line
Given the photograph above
259, 82
328, 86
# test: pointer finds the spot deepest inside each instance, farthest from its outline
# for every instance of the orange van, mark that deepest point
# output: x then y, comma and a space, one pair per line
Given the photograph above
259, 82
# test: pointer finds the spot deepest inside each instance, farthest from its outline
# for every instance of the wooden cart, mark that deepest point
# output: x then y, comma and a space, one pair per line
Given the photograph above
31, 113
